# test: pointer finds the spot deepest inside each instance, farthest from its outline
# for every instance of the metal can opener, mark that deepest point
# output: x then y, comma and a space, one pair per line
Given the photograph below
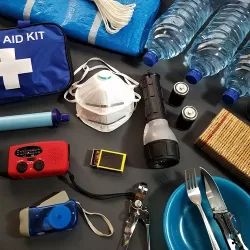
137, 211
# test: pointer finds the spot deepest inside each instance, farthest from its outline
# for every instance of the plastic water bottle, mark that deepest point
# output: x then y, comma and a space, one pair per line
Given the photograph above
236, 77
214, 48
173, 31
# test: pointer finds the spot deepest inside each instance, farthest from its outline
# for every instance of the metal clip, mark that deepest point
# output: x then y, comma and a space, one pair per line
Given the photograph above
137, 212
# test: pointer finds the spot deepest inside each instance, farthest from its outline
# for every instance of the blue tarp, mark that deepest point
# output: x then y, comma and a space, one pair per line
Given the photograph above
77, 18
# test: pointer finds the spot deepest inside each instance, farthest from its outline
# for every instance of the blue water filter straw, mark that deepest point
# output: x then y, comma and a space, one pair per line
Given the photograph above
35, 120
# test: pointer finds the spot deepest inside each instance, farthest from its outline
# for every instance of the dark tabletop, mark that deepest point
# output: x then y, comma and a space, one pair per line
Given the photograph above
15, 195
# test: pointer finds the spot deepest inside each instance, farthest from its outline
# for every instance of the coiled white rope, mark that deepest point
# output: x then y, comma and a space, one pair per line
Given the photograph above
114, 14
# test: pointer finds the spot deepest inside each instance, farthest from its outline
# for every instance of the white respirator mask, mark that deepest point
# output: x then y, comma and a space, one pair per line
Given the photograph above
106, 100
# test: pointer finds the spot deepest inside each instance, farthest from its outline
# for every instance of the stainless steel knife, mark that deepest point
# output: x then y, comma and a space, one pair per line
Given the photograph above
221, 214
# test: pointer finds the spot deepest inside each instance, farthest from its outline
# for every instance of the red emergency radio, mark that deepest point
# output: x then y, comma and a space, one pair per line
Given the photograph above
38, 159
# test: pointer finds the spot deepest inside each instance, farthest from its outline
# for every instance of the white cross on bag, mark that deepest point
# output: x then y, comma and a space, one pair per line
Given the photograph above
10, 68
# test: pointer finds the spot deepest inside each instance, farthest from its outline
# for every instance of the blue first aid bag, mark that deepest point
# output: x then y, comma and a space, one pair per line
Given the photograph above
34, 61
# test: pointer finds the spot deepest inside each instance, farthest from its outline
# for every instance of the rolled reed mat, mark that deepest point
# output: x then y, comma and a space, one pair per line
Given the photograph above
227, 140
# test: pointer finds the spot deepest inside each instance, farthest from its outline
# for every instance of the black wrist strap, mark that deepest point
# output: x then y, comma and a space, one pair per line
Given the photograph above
129, 195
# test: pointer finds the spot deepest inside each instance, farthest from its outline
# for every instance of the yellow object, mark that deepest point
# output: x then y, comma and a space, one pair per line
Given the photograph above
109, 159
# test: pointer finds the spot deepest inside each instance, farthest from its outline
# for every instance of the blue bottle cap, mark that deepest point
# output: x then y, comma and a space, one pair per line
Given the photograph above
59, 217
230, 96
150, 59
193, 76
57, 117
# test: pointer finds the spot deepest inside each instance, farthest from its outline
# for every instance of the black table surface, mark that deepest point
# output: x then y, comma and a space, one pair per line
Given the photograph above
15, 195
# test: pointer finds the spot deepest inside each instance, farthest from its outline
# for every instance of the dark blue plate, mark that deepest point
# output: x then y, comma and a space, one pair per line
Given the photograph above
184, 228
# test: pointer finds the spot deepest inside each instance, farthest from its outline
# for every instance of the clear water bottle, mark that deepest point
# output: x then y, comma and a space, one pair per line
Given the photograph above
214, 48
173, 31
236, 76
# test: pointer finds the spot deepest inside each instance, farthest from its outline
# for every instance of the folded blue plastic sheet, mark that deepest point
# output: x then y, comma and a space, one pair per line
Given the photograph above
81, 20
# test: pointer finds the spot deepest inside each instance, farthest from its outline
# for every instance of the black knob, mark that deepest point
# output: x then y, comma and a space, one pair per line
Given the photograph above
162, 153
21, 167
39, 165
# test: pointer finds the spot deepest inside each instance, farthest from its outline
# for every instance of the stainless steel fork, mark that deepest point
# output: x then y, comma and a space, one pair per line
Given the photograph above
194, 195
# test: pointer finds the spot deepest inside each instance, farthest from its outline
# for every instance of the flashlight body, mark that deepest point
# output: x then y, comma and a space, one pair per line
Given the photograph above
153, 97
160, 144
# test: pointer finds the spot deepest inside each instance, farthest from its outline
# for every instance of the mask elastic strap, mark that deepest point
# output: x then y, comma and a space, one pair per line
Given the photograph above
137, 97
87, 69
136, 100
128, 79
93, 228
75, 85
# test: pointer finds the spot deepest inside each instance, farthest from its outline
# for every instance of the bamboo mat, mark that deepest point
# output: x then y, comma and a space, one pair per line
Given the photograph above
227, 140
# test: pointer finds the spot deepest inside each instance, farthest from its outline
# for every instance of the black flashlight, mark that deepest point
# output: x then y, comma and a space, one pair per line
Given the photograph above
160, 144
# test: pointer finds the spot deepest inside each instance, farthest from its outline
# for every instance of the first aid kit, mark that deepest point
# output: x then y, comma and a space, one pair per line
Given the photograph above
34, 60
